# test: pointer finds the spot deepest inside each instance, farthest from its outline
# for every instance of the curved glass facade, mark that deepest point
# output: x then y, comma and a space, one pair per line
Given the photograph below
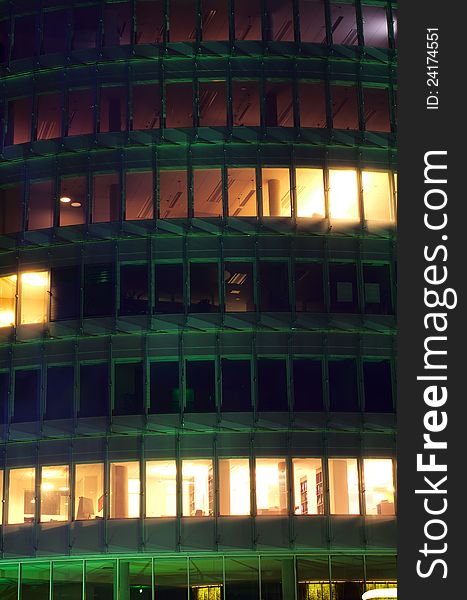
198, 202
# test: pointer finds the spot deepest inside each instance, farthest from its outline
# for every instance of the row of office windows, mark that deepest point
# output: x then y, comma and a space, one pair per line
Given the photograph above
194, 287
248, 577
342, 195
351, 487
231, 385
237, 103
60, 30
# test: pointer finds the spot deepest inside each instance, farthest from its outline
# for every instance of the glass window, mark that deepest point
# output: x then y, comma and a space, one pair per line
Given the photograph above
49, 116
9, 573
55, 494
182, 20
165, 387
309, 292
377, 197
310, 193
238, 282
146, 106
207, 192
35, 581
135, 579
343, 390
272, 384
7, 300
204, 288
280, 17
377, 286
169, 288
170, 578
99, 290
19, 121
206, 578
394, 24
236, 385
100, 578
242, 577
347, 577
85, 23
307, 384
117, 24
343, 486
72, 201
24, 39
124, 490
65, 292
179, 104
245, 103
11, 208
214, 20
173, 195
234, 486
379, 486
308, 486
129, 389
149, 21
376, 105
67, 579
60, 393
343, 283
138, 195
34, 296
213, 101
89, 491
343, 194
377, 384
133, 290
161, 486
80, 112
27, 396
247, 16
241, 189
200, 386
41, 204
312, 23
4, 43
278, 104
54, 31
1, 499
271, 486
21, 495
313, 578
4, 398
274, 286
312, 97
113, 109
344, 107
94, 390
197, 488
344, 24
375, 26
276, 193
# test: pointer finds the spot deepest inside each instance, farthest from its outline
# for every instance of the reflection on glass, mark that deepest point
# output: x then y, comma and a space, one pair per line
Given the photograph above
241, 185
35, 581
72, 201
245, 103
276, 192
41, 204
55, 494
179, 104
138, 195
278, 104
124, 490
312, 24
375, 26
238, 281
207, 184
100, 578
234, 486
21, 495
173, 195
343, 486
310, 193
377, 196
308, 486
197, 488
161, 484
7, 300
271, 486
106, 205
146, 106
212, 102
80, 112
247, 20
344, 107
379, 486
89, 491
343, 194
344, 24
67, 580
19, 121
34, 294
49, 116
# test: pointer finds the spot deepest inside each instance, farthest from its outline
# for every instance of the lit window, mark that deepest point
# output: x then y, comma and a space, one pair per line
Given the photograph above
344, 107
124, 490
21, 495
343, 24
238, 281
271, 486
377, 196
212, 103
1, 496
7, 300
343, 194
161, 485
375, 26
247, 20
312, 24
207, 592
173, 195
34, 293
310, 193
241, 185
72, 201
197, 488
234, 486
19, 121
379, 486
245, 103
49, 116
55, 494
89, 491
207, 191
276, 193
343, 486
308, 486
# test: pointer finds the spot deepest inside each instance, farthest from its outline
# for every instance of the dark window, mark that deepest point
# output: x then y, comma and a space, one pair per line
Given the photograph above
117, 24
212, 104
179, 105
41, 204
129, 389
377, 289
307, 384
280, 15
72, 201
65, 291
309, 287
94, 390
312, 97
274, 286
27, 396
278, 104
49, 116
204, 290
200, 386
236, 385
54, 31
375, 26
376, 103
98, 290
207, 192
4, 29
24, 40
146, 106
214, 20
312, 24
343, 391
245, 103
80, 112
133, 290
113, 109
238, 284
11, 208
149, 21
247, 19
169, 288
344, 24
182, 20
106, 205
85, 23
165, 392
344, 107
19, 121
60, 393
377, 384
343, 282
272, 384
4, 385
173, 194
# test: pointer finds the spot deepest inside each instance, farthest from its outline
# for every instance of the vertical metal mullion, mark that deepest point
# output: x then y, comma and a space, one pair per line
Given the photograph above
20, 565
190, 182
179, 492
325, 372
390, 21
133, 25
42, 388
83, 580
107, 494
38, 500
231, 17
359, 22
142, 496
25, 199
328, 21
51, 563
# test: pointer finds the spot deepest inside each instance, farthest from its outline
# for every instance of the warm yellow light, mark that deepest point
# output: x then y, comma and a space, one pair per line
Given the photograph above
7, 317
47, 487
65, 199
380, 593
343, 194
34, 297
34, 279
310, 193
75, 204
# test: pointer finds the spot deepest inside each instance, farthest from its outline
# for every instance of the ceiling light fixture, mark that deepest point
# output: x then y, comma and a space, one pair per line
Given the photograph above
65, 199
